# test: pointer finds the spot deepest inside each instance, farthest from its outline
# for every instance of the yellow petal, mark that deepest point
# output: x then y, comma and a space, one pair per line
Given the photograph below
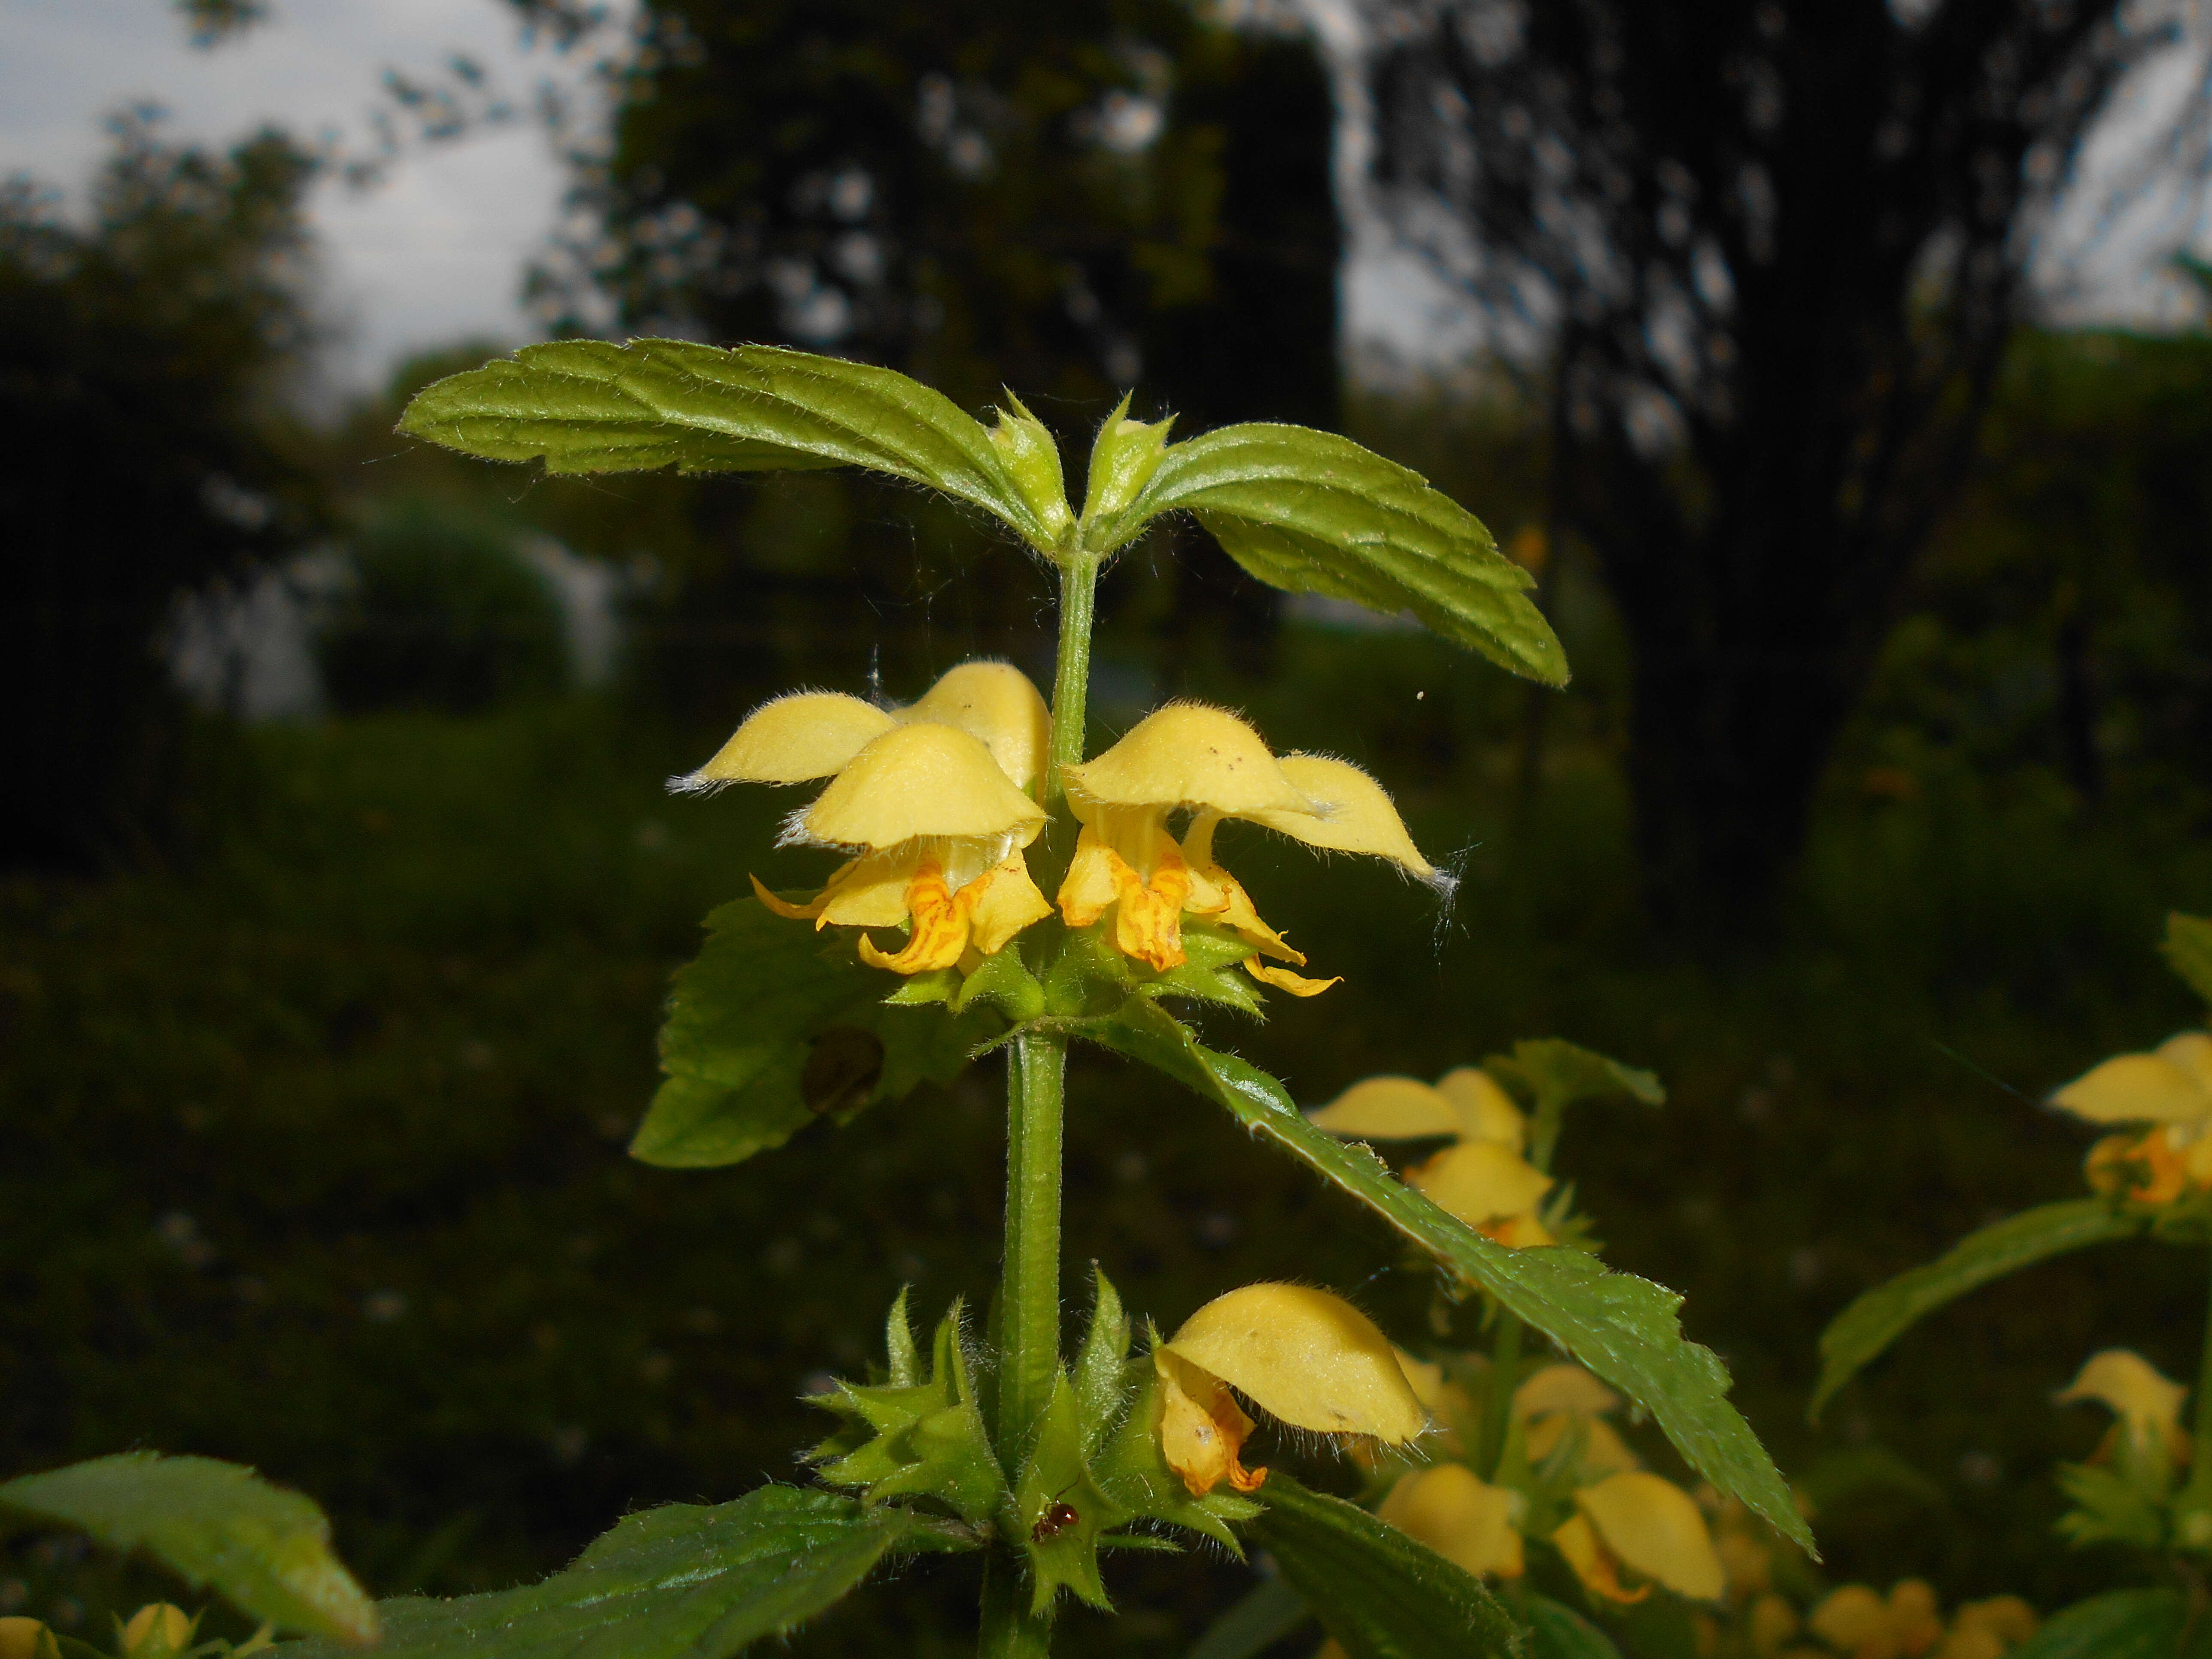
783, 907
1220, 897
1656, 1527
1201, 1427
995, 702
921, 780
1307, 1357
1773, 1621
1010, 903
157, 1627
2007, 1617
1356, 815
938, 937
1389, 1108
2136, 1391
1091, 883
1850, 1617
1576, 1540
1568, 1389
805, 735
1603, 1452
1916, 1622
1485, 1111
2136, 1089
1462, 1518
1284, 980
2193, 1051
869, 892
1190, 755
20, 1637
1425, 1378
1480, 1181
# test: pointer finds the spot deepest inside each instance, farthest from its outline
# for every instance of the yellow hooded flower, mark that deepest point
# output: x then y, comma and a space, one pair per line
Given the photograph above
807, 735
1466, 1104
2170, 1091
931, 796
1187, 757
1302, 1355
2146, 1401
1460, 1516
1858, 1621
1482, 1178
1560, 1399
1649, 1525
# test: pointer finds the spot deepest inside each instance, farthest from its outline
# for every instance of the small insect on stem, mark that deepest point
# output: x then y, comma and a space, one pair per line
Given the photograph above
1057, 1517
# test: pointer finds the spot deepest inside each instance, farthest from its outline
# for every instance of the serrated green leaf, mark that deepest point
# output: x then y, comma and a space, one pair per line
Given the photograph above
1857, 1335
1059, 1510
265, 1549
774, 1026
1271, 1613
929, 1438
2107, 1508
1377, 1592
2134, 1624
1556, 1632
1313, 513
2188, 947
1622, 1327
594, 406
1102, 1388
682, 1581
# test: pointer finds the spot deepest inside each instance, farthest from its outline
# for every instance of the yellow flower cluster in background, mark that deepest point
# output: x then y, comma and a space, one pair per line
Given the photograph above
2166, 1095
1482, 1176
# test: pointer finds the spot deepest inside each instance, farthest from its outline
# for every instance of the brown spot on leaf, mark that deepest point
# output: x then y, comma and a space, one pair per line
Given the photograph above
841, 1071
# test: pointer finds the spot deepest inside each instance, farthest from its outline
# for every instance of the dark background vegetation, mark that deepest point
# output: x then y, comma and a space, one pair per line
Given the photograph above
319, 1044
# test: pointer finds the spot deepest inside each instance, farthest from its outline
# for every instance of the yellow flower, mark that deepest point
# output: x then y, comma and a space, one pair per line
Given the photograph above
1460, 1516
1299, 1354
2146, 1401
2170, 1090
155, 1630
1190, 758
1466, 1104
931, 798
1482, 1178
1560, 1399
27, 1638
1644, 1524
1858, 1621
1987, 1630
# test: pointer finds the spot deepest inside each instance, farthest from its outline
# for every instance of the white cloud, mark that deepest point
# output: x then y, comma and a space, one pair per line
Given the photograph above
435, 252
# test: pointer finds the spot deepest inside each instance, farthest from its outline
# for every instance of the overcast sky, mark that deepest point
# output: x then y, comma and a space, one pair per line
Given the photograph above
436, 251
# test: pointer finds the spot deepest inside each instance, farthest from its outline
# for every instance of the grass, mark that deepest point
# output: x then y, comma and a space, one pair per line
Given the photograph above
315, 1151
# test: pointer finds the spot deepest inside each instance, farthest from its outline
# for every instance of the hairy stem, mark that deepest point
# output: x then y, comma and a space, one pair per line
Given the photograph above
1010, 1630
1071, 682
1028, 1288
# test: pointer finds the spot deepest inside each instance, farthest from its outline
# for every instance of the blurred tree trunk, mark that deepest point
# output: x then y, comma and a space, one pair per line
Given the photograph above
1777, 245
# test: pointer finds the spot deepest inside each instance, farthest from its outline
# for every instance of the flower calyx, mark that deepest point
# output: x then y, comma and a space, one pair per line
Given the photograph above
918, 1433
1031, 458
1192, 758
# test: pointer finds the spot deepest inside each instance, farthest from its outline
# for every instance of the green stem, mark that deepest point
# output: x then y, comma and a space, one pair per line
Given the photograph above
2199, 1495
1071, 680
1037, 1071
1010, 1630
1028, 1288
1498, 1404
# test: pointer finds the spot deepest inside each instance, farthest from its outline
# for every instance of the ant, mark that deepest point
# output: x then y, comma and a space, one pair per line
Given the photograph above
1057, 1517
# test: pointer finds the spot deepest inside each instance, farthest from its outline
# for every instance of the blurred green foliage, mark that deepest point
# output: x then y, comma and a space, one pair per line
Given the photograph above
442, 612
